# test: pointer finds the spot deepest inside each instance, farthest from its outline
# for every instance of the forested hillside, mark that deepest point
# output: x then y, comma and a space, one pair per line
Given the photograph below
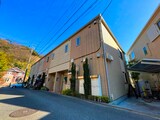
15, 55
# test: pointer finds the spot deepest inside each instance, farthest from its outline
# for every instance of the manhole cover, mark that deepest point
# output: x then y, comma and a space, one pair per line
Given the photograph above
22, 112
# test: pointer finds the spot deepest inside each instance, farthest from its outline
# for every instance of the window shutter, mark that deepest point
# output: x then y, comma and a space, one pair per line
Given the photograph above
152, 33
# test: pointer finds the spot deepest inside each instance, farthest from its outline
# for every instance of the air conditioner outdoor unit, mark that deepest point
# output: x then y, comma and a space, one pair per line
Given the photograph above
109, 57
98, 55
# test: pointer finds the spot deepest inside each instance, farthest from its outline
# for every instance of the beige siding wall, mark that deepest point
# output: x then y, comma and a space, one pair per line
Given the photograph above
61, 59
32, 71
41, 63
96, 67
116, 77
89, 41
90, 46
35, 69
155, 45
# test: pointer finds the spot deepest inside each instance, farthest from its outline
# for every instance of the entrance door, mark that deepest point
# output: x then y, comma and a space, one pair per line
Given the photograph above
50, 82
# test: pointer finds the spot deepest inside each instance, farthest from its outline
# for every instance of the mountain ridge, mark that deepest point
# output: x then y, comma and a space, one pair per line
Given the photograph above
15, 55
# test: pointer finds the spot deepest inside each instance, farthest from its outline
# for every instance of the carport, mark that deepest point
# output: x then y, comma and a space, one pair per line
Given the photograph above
147, 65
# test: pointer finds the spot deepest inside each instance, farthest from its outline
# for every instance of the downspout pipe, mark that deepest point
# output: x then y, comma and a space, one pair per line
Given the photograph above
104, 57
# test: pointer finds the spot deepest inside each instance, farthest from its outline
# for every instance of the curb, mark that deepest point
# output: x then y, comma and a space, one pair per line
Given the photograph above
155, 116
137, 112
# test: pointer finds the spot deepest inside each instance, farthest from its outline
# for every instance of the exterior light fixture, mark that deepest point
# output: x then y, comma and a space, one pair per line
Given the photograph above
98, 55
72, 60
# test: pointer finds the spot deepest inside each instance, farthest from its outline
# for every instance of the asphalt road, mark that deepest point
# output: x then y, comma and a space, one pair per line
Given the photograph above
51, 106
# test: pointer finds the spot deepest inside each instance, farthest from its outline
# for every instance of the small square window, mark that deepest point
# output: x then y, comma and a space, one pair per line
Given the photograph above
78, 41
132, 55
145, 51
52, 56
47, 59
66, 48
120, 54
158, 24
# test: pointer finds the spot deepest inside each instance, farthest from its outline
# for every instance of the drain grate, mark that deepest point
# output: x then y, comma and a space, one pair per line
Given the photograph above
22, 112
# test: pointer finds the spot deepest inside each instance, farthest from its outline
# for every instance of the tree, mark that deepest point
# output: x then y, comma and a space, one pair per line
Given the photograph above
73, 77
4, 62
87, 79
135, 75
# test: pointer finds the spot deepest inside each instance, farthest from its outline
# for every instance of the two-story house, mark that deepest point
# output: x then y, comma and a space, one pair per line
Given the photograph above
96, 42
145, 49
14, 75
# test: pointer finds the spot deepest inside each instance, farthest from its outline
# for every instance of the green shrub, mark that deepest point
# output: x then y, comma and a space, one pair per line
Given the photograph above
105, 99
67, 92
75, 94
44, 88
82, 96
99, 98
90, 97
95, 98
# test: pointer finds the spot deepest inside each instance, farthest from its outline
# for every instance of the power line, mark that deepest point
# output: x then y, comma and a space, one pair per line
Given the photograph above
72, 23
66, 22
92, 8
77, 19
71, 6
107, 7
42, 21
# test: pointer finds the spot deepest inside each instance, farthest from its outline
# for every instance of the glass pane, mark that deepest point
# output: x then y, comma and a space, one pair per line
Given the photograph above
158, 24
78, 41
145, 50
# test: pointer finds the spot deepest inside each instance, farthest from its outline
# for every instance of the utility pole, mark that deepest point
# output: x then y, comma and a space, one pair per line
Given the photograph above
32, 49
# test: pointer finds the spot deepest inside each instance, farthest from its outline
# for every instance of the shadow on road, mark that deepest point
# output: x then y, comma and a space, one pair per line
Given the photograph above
64, 108
27, 98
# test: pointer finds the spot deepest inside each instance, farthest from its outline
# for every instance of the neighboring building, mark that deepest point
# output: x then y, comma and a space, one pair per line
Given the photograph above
14, 75
96, 42
147, 43
146, 49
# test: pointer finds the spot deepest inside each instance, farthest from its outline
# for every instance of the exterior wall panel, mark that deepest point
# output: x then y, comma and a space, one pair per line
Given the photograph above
61, 59
116, 79
91, 47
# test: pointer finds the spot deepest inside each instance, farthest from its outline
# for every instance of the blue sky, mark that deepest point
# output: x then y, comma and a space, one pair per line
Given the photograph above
41, 23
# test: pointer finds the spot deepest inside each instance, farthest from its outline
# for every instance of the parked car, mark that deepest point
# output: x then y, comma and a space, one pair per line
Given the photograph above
16, 85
